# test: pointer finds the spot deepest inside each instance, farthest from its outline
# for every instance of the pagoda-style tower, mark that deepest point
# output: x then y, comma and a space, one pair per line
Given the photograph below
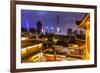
85, 24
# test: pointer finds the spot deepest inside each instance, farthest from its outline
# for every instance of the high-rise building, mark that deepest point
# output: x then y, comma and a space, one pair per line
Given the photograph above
69, 31
39, 27
57, 26
75, 32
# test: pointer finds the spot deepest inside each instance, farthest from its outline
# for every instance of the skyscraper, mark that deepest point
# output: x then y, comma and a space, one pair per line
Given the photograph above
69, 31
39, 27
57, 26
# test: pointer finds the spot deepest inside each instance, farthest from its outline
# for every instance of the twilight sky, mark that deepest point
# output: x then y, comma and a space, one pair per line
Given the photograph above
49, 19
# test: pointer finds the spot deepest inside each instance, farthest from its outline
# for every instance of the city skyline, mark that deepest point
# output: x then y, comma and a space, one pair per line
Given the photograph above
50, 21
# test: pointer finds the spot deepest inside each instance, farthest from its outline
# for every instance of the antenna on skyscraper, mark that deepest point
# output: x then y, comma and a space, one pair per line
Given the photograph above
57, 19
27, 26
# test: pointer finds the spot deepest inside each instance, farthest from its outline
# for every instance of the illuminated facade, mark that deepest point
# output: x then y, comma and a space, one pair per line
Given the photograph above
85, 24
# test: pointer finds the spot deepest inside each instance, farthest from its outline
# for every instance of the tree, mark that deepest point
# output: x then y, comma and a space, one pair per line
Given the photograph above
32, 30
23, 29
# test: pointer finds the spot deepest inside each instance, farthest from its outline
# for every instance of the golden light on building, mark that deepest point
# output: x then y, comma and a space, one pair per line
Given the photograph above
29, 50
85, 24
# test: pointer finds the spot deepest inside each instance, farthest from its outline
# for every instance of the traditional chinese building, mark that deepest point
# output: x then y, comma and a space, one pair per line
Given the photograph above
85, 24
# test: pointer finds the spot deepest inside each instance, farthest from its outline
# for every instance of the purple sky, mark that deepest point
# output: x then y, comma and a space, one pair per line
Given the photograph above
49, 19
